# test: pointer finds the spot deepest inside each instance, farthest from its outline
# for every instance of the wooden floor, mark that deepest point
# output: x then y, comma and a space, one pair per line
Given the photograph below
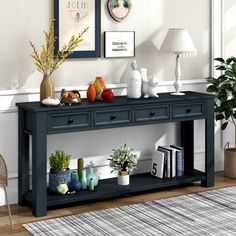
23, 214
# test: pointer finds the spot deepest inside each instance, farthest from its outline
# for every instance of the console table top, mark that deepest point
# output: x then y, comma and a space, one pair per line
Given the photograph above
117, 101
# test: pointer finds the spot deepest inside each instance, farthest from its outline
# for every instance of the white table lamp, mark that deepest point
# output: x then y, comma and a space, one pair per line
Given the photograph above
178, 41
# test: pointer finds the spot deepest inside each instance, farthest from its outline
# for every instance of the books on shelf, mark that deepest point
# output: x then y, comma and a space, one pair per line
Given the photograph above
168, 162
158, 164
179, 159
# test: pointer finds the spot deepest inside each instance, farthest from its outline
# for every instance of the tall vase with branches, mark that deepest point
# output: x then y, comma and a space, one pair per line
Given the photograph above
47, 61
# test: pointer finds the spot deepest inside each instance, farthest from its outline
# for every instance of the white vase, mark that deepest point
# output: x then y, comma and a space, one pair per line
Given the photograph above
134, 83
123, 178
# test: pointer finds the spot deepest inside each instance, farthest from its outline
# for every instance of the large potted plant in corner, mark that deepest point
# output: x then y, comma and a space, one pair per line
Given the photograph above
224, 87
46, 62
123, 161
59, 171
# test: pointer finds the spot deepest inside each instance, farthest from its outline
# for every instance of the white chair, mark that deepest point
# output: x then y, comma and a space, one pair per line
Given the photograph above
4, 183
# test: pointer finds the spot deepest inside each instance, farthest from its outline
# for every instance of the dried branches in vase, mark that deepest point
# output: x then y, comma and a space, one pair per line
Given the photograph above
47, 61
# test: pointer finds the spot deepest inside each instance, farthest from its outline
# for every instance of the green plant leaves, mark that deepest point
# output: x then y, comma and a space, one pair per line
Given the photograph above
229, 60
59, 161
220, 59
224, 87
220, 117
221, 67
229, 73
212, 89
224, 125
234, 68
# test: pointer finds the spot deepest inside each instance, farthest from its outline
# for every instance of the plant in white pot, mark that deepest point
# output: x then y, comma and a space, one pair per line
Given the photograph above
123, 161
59, 172
224, 87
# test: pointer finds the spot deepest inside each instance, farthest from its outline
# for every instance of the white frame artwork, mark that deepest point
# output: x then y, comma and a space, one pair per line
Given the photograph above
119, 44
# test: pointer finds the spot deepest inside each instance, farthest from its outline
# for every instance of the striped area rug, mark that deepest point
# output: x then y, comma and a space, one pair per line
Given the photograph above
207, 213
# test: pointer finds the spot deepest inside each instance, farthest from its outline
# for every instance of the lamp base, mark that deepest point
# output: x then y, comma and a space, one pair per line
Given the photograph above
178, 93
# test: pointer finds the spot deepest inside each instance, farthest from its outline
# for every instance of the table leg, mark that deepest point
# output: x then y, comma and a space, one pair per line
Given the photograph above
39, 166
23, 159
187, 142
209, 145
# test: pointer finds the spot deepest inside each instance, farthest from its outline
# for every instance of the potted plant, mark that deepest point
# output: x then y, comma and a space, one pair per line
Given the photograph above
224, 87
59, 171
124, 161
46, 62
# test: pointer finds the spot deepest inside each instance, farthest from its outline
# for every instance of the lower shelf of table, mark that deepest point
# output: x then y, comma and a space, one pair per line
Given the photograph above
109, 188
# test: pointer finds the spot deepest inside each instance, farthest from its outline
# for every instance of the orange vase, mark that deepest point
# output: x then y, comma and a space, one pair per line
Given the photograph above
46, 88
91, 93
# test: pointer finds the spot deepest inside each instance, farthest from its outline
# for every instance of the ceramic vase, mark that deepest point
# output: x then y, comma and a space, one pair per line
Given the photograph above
91, 184
93, 176
84, 179
134, 83
58, 177
46, 88
80, 164
123, 178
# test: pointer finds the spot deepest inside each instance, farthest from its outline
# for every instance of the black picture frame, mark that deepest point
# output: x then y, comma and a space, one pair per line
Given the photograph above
119, 44
94, 53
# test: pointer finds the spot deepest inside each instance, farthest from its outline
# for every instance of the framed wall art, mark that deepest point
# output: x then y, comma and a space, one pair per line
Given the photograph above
119, 44
119, 9
71, 18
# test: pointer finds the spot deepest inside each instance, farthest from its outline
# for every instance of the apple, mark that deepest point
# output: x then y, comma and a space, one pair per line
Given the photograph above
107, 95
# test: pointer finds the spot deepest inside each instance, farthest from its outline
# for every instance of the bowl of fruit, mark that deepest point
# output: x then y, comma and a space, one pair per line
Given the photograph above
70, 97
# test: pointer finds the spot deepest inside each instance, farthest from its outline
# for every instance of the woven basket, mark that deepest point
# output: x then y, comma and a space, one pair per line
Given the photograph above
230, 161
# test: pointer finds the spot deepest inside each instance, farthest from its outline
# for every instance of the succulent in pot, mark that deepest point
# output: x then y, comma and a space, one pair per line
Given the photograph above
224, 87
59, 171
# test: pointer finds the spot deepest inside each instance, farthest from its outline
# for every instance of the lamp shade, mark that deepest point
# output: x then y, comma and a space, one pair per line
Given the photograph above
178, 41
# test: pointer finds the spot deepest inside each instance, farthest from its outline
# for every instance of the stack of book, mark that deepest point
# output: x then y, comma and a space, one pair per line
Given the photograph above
168, 162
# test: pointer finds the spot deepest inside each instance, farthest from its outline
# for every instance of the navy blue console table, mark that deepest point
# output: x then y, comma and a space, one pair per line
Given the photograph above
39, 121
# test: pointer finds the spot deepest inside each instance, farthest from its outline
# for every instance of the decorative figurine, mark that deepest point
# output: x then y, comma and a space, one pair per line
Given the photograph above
134, 83
62, 189
149, 86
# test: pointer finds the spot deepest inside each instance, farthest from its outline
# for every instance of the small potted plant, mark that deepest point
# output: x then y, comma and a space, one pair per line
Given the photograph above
224, 87
59, 172
124, 161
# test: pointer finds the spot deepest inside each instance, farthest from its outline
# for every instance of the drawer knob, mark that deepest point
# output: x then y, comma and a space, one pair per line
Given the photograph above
70, 121
188, 110
113, 117
152, 113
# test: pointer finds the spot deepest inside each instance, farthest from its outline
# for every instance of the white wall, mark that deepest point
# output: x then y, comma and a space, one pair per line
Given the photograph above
25, 20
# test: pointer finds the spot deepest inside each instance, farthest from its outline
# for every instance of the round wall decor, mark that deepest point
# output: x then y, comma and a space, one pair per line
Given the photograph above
119, 9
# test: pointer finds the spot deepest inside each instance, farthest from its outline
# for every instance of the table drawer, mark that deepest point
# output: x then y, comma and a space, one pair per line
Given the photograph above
65, 121
112, 117
188, 110
151, 113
